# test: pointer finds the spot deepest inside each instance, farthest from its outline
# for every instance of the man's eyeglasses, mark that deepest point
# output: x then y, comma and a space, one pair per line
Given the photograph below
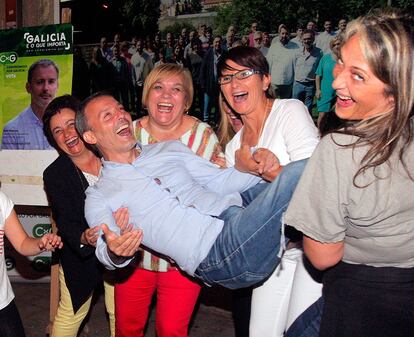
240, 75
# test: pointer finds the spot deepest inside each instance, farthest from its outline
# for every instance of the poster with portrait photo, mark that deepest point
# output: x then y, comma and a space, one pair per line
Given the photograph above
35, 66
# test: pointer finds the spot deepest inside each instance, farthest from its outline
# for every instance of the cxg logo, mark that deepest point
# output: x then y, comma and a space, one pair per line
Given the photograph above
10, 262
6, 58
41, 264
41, 229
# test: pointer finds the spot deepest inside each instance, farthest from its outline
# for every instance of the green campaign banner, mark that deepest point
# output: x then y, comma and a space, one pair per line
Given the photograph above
45, 54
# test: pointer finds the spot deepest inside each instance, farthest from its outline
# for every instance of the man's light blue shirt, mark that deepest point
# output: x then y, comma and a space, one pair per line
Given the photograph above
24, 132
174, 195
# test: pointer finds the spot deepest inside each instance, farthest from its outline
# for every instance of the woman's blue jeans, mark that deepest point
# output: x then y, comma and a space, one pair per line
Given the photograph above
247, 250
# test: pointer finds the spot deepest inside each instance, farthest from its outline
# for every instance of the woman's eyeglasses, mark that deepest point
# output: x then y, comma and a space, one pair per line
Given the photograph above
240, 75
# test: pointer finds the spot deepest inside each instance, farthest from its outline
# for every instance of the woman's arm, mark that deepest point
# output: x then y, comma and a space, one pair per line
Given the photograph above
298, 130
318, 87
323, 255
67, 211
211, 149
319, 206
25, 244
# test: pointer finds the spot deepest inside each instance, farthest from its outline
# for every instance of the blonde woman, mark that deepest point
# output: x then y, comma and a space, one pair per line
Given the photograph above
167, 96
230, 122
354, 201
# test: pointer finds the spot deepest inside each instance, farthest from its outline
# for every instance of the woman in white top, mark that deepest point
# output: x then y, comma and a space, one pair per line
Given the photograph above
10, 226
274, 133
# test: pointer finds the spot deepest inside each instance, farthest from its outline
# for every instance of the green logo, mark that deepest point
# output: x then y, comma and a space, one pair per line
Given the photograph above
6, 58
41, 229
41, 264
10, 262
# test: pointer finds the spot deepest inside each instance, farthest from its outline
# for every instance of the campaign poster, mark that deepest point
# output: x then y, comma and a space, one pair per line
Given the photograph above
46, 53
34, 268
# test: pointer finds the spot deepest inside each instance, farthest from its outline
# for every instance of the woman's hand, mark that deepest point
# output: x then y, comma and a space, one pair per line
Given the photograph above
49, 242
90, 236
268, 164
318, 94
121, 216
218, 157
220, 161
262, 162
244, 161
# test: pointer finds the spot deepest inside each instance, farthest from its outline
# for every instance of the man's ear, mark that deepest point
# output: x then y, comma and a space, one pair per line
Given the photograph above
89, 137
28, 89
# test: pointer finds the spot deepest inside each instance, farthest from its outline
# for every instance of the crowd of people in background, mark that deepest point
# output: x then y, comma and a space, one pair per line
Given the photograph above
300, 65
241, 219
297, 64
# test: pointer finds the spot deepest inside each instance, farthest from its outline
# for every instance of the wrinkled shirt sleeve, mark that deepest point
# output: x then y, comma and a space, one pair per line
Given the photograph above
97, 212
221, 181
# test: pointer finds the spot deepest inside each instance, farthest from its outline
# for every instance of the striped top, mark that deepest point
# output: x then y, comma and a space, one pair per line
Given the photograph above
202, 140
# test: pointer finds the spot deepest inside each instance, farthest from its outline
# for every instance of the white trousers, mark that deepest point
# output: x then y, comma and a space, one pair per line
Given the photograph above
288, 292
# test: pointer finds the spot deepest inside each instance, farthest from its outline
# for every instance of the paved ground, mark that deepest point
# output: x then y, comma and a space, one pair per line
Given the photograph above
211, 319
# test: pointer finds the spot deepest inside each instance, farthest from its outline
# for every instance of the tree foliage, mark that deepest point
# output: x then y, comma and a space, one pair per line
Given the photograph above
271, 13
141, 16
196, 5
176, 28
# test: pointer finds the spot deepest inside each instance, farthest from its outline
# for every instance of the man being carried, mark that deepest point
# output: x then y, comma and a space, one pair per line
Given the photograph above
217, 224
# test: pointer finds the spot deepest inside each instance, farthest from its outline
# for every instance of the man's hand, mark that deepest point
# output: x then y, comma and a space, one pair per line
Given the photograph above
124, 246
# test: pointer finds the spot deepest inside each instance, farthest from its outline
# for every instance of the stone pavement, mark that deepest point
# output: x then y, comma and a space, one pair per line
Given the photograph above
212, 318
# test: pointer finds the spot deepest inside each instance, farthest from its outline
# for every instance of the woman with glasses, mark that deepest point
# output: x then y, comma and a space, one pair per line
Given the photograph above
280, 128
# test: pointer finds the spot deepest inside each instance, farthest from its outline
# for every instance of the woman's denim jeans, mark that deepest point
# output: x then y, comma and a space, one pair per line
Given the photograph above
247, 250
